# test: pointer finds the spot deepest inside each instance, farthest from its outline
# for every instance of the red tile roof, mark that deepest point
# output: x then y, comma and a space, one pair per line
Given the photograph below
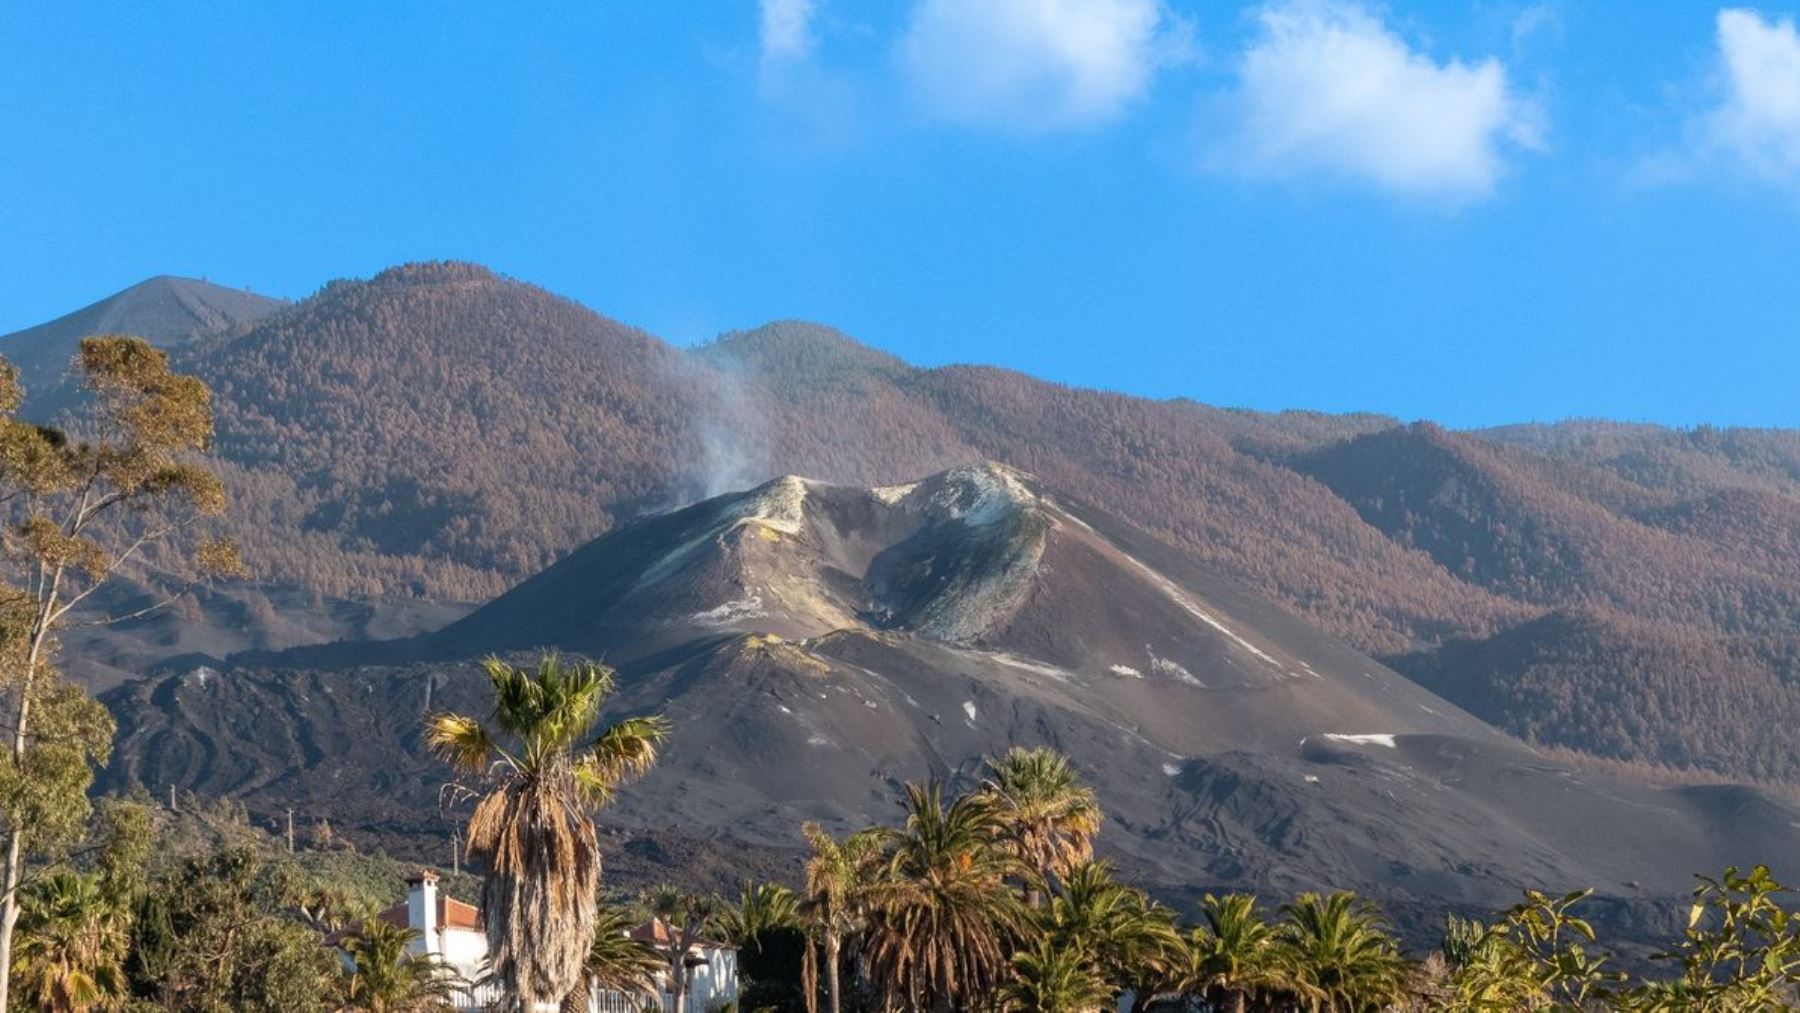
451, 914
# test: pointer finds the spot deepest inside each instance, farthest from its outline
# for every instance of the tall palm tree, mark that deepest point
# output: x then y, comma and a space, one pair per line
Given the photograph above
1054, 977
837, 885
1340, 954
942, 920
1233, 956
532, 828
1046, 815
382, 977
72, 941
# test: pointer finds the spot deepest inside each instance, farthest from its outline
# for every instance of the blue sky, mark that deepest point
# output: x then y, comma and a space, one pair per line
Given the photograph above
1475, 213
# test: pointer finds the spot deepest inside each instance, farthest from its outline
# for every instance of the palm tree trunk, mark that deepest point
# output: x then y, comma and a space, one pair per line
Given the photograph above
577, 1000
832, 945
1239, 1001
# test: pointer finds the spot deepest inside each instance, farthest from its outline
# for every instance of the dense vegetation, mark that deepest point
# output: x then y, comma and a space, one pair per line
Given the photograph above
441, 431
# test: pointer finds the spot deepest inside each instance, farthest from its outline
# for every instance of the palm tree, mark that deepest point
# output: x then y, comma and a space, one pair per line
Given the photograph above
532, 828
382, 977
942, 920
1046, 815
616, 961
1054, 978
1340, 954
837, 881
71, 944
762, 907
1130, 939
686, 915
1233, 956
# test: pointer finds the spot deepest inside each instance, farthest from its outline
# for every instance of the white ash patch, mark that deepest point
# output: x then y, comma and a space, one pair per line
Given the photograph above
1126, 670
784, 708
1171, 769
1064, 515
748, 607
1028, 665
982, 496
1311, 779
1175, 595
203, 674
872, 705
969, 709
1173, 669
891, 494
1383, 739
818, 740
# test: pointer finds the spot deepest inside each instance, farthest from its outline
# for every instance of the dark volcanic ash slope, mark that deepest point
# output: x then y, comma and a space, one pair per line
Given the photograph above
816, 645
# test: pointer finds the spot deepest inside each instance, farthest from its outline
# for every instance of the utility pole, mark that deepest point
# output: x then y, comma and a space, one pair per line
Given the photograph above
290, 830
456, 852
171, 798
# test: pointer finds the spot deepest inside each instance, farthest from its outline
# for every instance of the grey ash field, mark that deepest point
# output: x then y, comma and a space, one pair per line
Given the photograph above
817, 645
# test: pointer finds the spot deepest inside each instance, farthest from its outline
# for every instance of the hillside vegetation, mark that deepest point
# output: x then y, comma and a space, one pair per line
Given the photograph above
439, 431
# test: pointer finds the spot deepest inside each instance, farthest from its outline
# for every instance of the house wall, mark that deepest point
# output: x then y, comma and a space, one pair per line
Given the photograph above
463, 949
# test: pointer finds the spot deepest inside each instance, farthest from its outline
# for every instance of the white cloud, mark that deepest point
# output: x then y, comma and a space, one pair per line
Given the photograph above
787, 29
1036, 64
1757, 123
1326, 87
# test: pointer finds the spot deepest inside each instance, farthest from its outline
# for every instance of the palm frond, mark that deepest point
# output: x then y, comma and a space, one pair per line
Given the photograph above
627, 750
460, 741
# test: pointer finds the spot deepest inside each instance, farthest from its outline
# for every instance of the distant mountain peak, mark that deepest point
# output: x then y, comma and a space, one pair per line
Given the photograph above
436, 272
799, 346
166, 310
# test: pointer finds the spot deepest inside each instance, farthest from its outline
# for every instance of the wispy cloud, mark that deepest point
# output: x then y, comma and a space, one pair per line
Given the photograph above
1036, 64
787, 30
1326, 87
1755, 124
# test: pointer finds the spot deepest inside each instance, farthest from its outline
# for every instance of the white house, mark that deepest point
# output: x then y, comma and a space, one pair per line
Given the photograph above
712, 978
453, 931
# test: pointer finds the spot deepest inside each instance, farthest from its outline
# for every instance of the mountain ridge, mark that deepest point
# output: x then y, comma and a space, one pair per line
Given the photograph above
443, 432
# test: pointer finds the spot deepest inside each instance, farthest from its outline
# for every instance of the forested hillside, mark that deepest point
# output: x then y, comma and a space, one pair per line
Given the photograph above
439, 431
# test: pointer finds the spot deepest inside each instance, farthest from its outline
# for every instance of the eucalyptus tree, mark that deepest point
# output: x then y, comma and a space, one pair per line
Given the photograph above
122, 485
543, 772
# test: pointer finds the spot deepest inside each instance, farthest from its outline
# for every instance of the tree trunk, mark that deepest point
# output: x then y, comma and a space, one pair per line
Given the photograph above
1239, 1000
577, 1000
9, 914
832, 945
15, 844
